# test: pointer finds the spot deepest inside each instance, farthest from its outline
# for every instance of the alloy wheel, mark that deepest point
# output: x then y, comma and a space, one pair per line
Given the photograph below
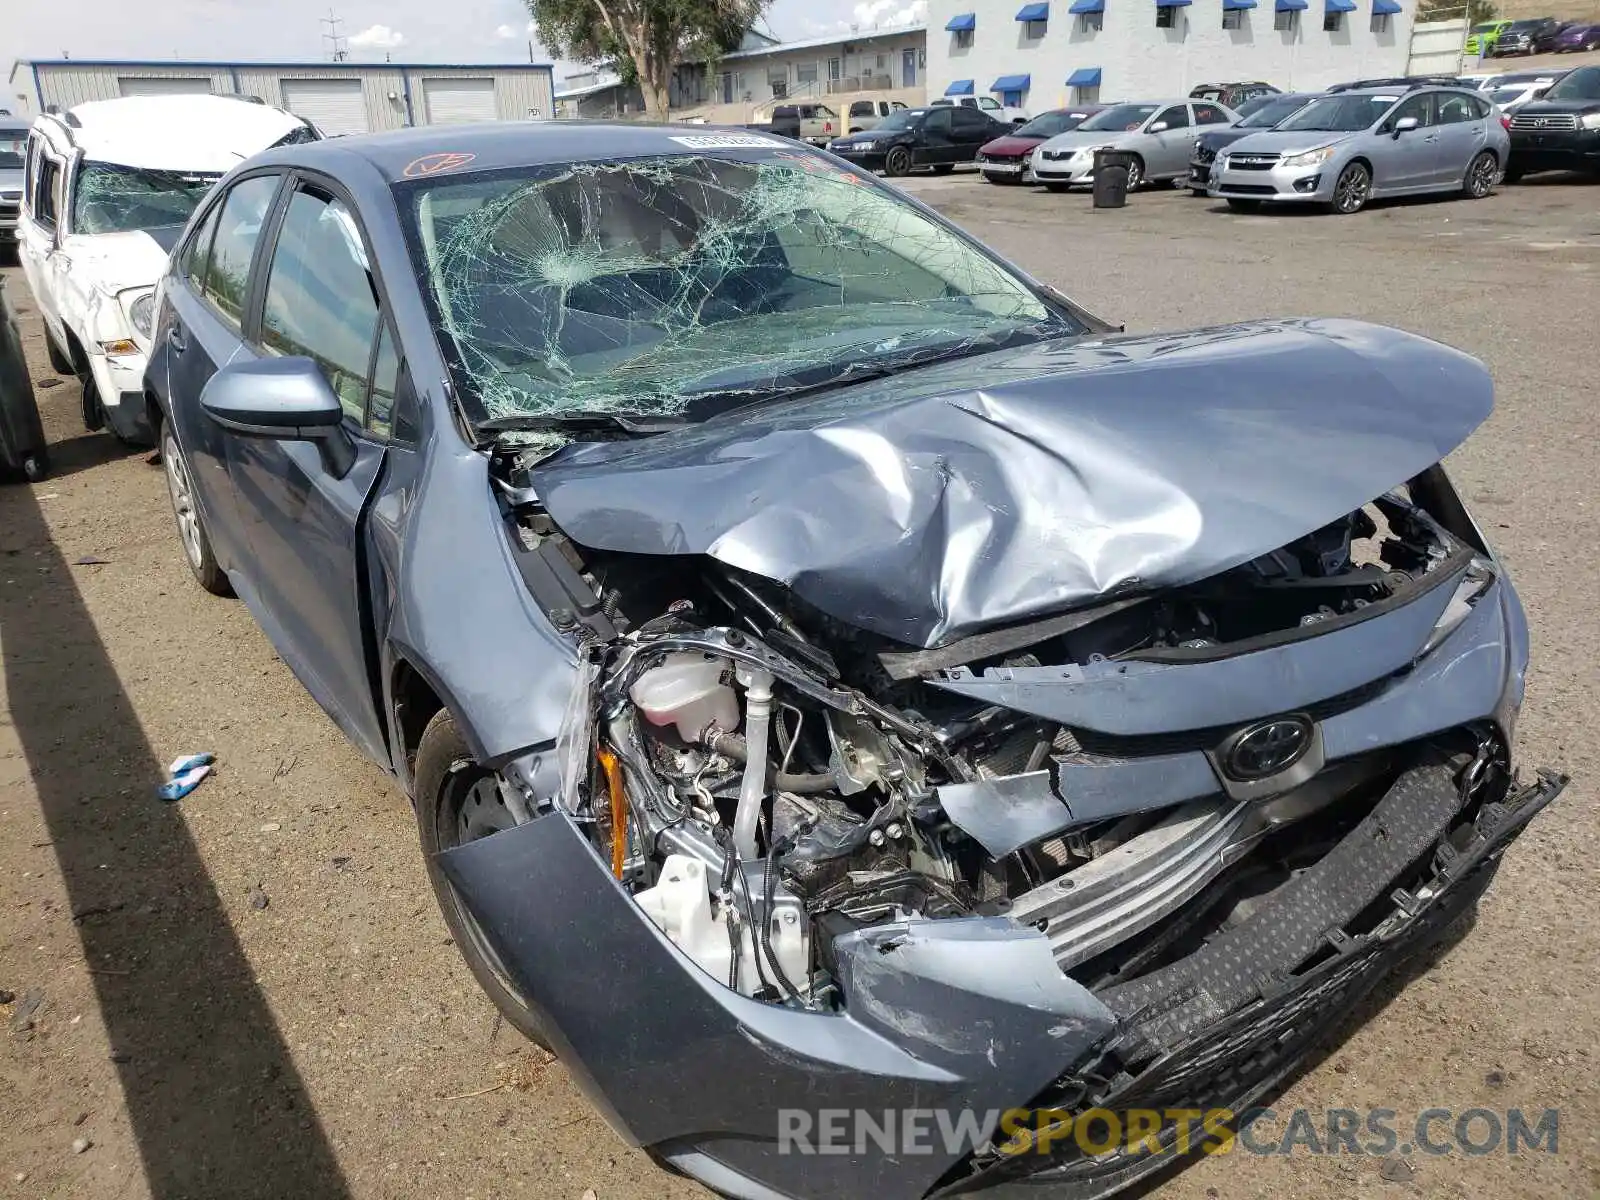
1352, 189
1480, 177
1135, 175
181, 491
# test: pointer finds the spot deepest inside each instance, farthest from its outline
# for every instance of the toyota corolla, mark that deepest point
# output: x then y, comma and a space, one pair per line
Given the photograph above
831, 668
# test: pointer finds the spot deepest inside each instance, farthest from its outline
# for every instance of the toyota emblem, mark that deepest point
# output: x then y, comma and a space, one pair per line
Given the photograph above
1268, 748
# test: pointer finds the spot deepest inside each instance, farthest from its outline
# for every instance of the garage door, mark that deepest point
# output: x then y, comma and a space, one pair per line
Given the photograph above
334, 106
144, 85
454, 101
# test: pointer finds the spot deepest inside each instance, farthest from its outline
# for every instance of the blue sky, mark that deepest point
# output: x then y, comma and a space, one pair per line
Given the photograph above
409, 30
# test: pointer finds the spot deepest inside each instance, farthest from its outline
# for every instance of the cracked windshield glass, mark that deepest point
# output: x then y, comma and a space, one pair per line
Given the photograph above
113, 199
673, 288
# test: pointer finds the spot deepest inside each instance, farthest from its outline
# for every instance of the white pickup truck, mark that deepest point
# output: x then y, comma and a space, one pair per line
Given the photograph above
107, 188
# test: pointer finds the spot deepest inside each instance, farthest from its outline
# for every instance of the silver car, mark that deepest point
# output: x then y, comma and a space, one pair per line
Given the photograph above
1158, 132
1344, 149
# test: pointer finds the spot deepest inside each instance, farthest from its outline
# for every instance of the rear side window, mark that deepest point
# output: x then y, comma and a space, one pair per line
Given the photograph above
44, 193
321, 301
239, 221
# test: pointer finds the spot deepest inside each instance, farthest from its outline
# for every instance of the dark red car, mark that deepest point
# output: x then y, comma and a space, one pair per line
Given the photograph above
1005, 160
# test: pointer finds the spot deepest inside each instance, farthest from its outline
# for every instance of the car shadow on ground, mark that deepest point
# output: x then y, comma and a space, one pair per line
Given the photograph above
89, 450
212, 1095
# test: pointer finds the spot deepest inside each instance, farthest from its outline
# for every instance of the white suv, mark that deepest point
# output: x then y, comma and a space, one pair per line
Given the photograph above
107, 188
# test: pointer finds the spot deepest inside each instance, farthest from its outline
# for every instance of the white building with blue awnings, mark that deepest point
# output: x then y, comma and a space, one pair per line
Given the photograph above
1050, 53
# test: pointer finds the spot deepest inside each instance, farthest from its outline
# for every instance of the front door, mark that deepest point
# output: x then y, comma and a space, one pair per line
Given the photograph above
1411, 159
908, 68
938, 137
302, 522
37, 230
1167, 152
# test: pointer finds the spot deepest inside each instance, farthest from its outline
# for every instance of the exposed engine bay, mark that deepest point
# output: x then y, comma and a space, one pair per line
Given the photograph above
764, 778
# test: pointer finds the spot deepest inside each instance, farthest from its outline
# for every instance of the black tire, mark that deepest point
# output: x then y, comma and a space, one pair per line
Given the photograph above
448, 814
94, 416
1351, 189
1197, 193
943, 168
186, 516
1479, 179
59, 362
1136, 178
897, 162
1058, 187
1244, 206
35, 467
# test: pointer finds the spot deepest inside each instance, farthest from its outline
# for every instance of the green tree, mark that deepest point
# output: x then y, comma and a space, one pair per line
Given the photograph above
645, 38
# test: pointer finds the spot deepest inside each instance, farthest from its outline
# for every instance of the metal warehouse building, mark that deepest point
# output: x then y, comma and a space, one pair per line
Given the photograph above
1049, 52
339, 97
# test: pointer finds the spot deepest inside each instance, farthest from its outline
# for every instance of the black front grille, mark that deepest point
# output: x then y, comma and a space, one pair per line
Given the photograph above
1252, 162
1250, 189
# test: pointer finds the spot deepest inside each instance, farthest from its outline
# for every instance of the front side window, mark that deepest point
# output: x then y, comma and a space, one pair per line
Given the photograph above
227, 276
110, 198
1176, 117
45, 186
1582, 84
1209, 114
192, 258
320, 301
685, 285
1418, 107
861, 108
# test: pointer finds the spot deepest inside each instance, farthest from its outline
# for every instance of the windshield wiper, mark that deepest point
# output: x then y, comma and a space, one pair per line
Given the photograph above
636, 424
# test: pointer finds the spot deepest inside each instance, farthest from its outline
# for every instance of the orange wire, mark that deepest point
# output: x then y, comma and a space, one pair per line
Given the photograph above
619, 809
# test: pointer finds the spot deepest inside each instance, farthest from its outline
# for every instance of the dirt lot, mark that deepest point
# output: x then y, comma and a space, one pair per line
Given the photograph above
330, 1043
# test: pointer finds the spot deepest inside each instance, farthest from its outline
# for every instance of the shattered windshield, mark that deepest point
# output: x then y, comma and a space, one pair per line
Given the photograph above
115, 199
679, 286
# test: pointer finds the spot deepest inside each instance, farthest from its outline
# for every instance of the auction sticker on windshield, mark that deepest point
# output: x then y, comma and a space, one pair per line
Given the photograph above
728, 141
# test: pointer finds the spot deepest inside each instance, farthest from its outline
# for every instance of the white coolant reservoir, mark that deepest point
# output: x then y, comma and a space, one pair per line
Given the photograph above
686, 691
681, 905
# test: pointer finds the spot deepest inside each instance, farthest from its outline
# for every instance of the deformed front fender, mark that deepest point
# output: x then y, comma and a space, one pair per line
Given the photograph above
941, 1017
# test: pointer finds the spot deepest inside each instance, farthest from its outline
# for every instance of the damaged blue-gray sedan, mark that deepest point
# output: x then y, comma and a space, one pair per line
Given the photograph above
832, 670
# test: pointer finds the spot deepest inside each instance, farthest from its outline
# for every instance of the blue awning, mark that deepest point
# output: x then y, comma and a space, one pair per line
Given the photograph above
962, 23
1034, 12
1172, 3
1387, 8
1237, 5
1010, 83
1288, 5
1084, 77
961, 87
1338, 6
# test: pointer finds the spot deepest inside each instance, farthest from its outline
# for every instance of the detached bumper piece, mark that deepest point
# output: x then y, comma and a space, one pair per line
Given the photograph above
1223, 1026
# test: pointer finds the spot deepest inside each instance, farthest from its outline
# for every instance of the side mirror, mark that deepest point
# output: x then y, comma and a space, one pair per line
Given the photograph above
1158, 127
283, 398
1404, 125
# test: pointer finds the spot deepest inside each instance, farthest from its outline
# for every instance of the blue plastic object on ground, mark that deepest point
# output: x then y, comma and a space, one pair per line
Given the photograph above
184, 775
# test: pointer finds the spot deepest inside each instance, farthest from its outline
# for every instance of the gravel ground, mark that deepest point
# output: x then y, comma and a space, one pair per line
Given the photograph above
330, 1042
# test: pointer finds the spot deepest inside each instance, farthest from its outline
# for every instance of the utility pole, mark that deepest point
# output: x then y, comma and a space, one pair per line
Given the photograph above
336, 40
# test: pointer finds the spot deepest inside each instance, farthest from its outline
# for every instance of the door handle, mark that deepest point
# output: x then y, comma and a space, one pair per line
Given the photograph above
176, 340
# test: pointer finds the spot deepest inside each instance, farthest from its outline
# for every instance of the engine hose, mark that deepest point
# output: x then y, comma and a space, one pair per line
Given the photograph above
732, 745
769, 888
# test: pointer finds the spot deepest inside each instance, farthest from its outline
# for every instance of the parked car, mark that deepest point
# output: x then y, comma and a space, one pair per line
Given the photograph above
814, 123
108, 188
1344, 149
1005, 160
1483, 36
1515, 91
13, 146
1261, 113
987, 104
743, 766
866, 112
937, 137
1233, 95
1522, 37
1158, 133
1561, 130
1576, 38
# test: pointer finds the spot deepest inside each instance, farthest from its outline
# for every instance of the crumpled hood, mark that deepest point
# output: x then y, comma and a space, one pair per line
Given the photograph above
1286, 142
1010, 146
991, 489
114, 261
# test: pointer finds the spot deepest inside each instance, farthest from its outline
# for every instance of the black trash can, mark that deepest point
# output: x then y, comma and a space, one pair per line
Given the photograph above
1111, 178
22, 446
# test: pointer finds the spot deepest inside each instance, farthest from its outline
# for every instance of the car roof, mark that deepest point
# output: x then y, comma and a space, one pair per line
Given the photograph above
172, 133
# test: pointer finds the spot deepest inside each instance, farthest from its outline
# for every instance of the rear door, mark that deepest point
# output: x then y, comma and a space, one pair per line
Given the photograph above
203, 304
319, 299
1462, 133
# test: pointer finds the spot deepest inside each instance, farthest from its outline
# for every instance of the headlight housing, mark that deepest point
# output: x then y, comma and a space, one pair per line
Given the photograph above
142, 316
1590, 120
863, 145
1311, 158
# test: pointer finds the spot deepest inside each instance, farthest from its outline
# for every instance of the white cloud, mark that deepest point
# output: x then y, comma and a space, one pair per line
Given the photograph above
504, 32
377, 37
885, 14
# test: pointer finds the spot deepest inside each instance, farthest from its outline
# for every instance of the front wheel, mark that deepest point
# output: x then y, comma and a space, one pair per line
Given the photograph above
1351, 190
1135, 174
35, 467
897, 162
186, 512
1480, 176
457, 802
59, 362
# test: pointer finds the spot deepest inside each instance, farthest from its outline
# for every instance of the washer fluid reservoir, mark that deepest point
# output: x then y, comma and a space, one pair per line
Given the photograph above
687, 691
